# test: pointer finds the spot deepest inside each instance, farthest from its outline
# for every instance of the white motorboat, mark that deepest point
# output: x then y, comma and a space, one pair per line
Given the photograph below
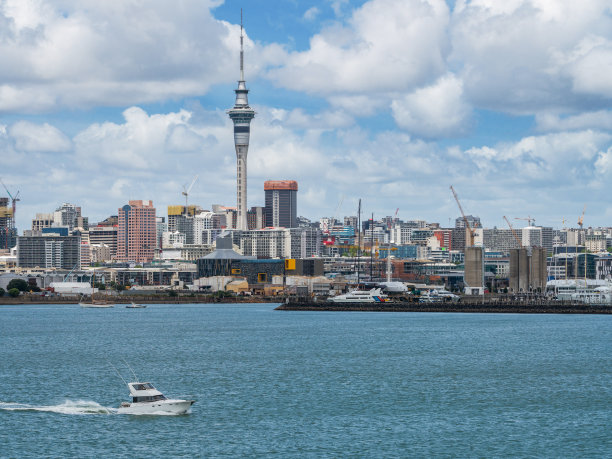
146, 399
95, 304
136, 306
437, 296
361, 296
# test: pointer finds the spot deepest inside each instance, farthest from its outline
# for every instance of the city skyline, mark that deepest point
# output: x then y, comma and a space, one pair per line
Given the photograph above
509, 103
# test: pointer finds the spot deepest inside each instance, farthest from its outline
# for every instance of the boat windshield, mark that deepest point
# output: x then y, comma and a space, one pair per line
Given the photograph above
144, 386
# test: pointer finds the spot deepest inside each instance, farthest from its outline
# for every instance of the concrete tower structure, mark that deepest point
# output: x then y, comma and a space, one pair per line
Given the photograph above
241, 115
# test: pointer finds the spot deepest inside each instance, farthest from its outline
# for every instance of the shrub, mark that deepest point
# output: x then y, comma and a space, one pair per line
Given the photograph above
19, 284
14, 292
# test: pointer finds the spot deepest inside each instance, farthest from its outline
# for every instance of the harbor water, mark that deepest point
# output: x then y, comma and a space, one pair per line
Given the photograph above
305, 384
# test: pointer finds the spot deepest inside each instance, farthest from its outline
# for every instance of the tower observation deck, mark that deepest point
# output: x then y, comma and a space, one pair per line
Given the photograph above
241, 115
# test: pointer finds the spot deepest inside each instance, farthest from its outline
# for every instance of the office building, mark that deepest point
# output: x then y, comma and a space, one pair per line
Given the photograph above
49, 251
104, 235
281, 203
136, 232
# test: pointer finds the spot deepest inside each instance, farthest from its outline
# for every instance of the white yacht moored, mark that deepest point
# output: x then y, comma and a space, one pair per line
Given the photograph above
361, 296
148, 400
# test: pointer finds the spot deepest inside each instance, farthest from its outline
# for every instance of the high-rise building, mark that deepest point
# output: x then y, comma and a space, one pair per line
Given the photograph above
49, 251
104, 235
136, 233
281, 203
241, 115
8, 233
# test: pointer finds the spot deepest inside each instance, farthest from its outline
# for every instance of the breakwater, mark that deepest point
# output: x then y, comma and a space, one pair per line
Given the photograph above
536, 307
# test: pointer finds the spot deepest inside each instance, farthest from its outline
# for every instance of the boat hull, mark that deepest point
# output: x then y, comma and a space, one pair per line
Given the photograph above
158, 407
95, 305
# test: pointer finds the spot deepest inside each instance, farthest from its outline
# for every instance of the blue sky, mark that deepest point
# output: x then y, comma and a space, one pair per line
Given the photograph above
390, 101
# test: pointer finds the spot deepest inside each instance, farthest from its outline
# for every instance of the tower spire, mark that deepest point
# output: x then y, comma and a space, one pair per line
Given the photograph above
241, 49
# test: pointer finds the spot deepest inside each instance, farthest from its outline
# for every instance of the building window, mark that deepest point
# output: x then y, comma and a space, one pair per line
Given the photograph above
262, 277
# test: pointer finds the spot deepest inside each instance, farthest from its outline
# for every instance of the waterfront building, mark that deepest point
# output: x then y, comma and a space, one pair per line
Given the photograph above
241, 115
49, 251
279, 242
281, 203
136, 232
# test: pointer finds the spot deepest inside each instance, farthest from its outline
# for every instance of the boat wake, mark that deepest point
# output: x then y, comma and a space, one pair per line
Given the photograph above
79, 407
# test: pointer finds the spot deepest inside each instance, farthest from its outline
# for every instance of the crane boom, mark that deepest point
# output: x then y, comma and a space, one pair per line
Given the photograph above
520, 243
468, 228
186, 193
580, 220
14, 199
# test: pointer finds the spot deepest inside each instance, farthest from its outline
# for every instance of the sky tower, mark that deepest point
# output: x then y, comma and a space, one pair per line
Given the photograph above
241, 115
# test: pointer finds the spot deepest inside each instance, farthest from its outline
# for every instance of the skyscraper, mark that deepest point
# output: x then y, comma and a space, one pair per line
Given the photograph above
136, 233
241, 115
281, 203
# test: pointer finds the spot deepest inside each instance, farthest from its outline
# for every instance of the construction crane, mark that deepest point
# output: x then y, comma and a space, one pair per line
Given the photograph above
529, 220
520, 243
14, 199
186, 193
580, 220
469, 232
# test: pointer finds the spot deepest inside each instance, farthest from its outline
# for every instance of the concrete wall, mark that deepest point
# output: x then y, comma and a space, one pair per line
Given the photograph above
473, 266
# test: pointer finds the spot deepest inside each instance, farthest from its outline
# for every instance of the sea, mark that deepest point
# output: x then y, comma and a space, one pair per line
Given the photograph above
304, 384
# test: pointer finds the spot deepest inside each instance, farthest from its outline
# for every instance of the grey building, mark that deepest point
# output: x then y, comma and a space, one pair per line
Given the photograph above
281, 203
49, 252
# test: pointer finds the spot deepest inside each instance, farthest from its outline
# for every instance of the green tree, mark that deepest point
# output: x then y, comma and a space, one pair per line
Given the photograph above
13, 292
1, 291
19, 284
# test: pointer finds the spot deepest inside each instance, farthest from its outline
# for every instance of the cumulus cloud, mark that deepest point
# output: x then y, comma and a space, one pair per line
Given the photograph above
526, 56
599, 120
83, 53
438, 110
385, 45
30, 137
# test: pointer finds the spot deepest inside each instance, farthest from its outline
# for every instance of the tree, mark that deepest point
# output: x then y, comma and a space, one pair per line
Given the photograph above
1, 291
19, 284
14, 292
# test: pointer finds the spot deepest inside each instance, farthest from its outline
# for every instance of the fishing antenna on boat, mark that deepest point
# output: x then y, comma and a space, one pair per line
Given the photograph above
116, 371
128, 365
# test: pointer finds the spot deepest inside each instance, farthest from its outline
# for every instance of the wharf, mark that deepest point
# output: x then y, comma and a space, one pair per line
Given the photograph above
535, 307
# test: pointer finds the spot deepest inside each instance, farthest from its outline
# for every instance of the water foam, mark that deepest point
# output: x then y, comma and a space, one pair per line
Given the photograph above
79, 407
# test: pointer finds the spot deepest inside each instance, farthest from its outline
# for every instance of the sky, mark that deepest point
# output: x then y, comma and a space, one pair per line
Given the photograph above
387, 101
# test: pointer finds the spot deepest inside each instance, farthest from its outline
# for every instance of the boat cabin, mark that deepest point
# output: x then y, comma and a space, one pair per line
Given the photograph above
144, 392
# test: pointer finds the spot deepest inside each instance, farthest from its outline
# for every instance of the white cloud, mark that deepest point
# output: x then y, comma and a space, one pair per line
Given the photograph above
599, 120
116, 52
311, 13
438, 110
526, 56
386, 45
30, 137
